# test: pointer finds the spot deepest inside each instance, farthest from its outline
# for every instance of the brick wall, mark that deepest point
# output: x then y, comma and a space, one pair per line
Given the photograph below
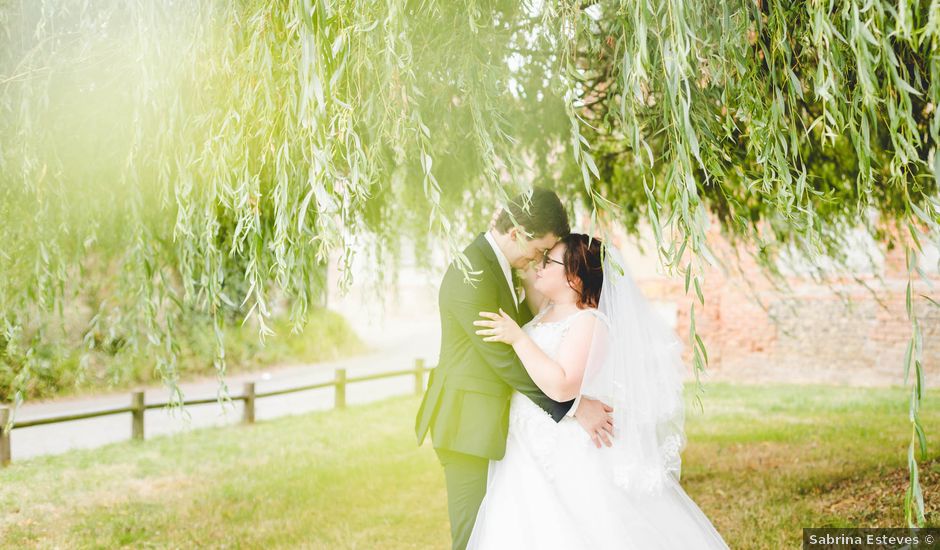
812, 336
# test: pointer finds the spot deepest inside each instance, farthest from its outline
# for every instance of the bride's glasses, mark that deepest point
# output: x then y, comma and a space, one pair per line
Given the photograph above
546, 258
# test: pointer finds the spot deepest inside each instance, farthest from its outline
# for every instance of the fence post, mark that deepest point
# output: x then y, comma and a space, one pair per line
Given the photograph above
137, 415
419, 376
340, 399
4, 437
249, 416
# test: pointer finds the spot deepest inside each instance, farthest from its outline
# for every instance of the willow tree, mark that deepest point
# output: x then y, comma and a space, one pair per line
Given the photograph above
209, 157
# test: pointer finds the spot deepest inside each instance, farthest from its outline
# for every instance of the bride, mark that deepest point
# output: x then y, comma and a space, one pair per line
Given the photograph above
594, 335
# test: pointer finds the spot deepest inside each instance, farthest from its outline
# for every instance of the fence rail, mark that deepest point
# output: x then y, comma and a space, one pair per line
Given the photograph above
248, 395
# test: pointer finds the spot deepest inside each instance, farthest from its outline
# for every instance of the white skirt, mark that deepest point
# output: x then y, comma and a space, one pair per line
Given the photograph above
552, 490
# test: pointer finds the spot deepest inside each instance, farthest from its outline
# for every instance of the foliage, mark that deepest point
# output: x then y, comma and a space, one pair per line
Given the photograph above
61, 367
209, 156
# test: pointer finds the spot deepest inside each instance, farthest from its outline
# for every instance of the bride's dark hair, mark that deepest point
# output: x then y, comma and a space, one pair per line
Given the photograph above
583, 265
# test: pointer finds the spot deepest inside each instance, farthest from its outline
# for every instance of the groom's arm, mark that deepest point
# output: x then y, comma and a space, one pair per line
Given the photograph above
465, 304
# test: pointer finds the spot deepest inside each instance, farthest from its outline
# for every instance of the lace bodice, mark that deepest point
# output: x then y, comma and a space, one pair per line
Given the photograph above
548, 336
526, 419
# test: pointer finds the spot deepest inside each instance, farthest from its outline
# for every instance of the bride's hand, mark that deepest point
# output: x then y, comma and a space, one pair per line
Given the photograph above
500, 328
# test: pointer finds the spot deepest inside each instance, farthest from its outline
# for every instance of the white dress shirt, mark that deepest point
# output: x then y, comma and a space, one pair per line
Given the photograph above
504, 264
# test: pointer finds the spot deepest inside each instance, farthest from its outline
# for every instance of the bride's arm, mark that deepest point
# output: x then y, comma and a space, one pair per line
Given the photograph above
561, 379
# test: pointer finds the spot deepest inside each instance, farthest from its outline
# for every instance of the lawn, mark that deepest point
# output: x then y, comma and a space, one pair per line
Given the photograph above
762, 462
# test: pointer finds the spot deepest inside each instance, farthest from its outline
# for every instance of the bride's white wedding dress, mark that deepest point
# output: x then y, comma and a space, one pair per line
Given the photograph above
553, 489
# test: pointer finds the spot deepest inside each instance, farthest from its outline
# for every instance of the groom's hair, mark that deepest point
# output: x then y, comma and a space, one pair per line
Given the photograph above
539, 214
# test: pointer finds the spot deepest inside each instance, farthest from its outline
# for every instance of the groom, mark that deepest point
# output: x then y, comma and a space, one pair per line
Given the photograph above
466, 405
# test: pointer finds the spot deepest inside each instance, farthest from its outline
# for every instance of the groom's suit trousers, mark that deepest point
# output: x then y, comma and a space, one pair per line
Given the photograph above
466, 484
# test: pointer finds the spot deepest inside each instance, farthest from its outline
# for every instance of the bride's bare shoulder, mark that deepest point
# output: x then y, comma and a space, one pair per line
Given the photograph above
594, 315
585, 318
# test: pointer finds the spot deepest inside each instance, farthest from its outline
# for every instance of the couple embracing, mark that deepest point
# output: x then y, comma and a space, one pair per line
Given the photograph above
556, 406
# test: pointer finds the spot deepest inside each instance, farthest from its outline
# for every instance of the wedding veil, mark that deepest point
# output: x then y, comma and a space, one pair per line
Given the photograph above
635, 366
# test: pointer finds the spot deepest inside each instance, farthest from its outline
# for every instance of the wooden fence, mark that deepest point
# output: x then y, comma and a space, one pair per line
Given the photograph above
249, 396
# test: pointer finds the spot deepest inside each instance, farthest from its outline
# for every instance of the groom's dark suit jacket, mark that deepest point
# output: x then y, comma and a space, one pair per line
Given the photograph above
466, 405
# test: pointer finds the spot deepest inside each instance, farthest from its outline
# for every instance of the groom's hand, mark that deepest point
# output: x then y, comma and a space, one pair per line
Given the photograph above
594, 417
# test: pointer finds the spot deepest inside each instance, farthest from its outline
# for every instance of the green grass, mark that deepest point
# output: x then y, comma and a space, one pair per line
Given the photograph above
762, 462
